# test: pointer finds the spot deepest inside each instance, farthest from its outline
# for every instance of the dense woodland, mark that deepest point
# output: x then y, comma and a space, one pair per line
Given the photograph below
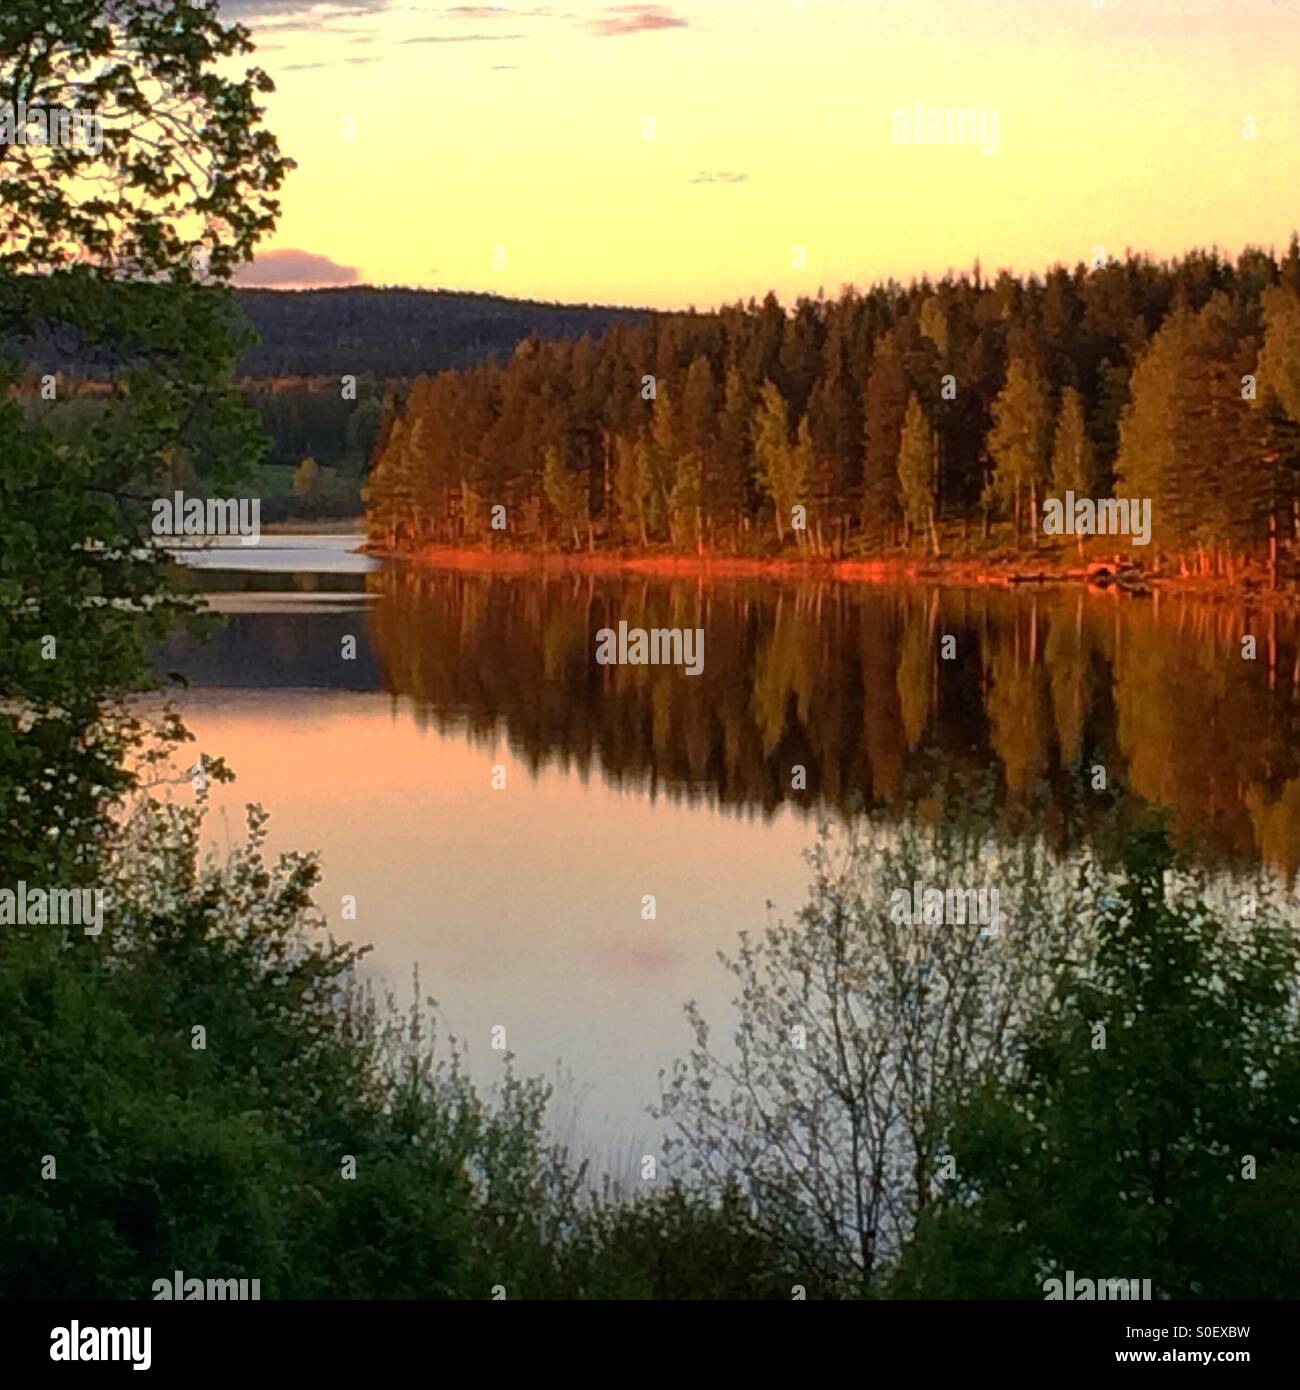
313, 418
893, 417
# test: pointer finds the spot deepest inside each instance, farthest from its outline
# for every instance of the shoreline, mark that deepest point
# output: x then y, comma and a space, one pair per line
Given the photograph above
325, 526
1023, 571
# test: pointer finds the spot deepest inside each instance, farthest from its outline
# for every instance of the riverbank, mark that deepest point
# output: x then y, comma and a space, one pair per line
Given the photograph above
307, 526
1044, 567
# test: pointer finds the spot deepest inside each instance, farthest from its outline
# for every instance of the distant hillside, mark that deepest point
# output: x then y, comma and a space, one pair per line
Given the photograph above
402, 332
378, 333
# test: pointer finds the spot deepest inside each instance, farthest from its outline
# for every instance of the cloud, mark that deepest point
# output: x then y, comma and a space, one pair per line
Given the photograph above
295, 16
250, 10
337, 63
501, 12
720, 177
274, 269
634, 19
463, 38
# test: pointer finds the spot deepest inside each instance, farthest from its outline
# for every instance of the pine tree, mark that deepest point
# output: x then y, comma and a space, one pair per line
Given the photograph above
693, 477
1073, 464
1279, 361
1276, 422
735, 450
1020, 438
565, 495
662, 458
772, 453
388, 494
1149, 463
684, 502
886, 404
630, 473
801, 465
917, 463
836, 421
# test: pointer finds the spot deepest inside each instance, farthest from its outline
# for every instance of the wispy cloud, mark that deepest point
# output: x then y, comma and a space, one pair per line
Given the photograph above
337, 63
250, 10
463, 38
721, 177
634, 19
290, 267
297, 16
502, 12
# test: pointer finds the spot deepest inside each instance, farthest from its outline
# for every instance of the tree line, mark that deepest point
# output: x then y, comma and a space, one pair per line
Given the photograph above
917, 415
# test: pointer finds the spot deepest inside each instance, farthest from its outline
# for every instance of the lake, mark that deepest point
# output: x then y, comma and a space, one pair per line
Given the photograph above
500, 805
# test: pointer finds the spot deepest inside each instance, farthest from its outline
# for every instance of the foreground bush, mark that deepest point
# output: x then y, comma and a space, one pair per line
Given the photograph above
1150, 1127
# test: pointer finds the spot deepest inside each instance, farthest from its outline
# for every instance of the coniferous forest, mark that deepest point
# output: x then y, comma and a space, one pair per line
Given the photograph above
920, 416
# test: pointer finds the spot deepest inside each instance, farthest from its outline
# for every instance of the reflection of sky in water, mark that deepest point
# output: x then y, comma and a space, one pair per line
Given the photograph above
301, 603
522, 907
279, 555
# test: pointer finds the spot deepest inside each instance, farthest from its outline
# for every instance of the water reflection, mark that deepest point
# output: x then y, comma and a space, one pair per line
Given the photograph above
882, 696
523, 909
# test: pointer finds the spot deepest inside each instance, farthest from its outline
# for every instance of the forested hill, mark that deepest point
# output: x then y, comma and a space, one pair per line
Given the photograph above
362, 331
402, 332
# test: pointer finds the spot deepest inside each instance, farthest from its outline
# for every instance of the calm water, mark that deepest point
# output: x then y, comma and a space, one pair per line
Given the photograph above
522, 906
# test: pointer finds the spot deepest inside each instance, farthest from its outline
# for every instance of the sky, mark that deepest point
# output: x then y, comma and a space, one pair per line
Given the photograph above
704, 151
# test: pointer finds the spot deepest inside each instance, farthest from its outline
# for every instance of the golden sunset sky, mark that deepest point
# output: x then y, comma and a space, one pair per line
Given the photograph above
517, 133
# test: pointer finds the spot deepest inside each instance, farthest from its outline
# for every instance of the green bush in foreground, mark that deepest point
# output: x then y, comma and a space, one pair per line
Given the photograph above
228, 1160
1152, 1127
320, 1142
